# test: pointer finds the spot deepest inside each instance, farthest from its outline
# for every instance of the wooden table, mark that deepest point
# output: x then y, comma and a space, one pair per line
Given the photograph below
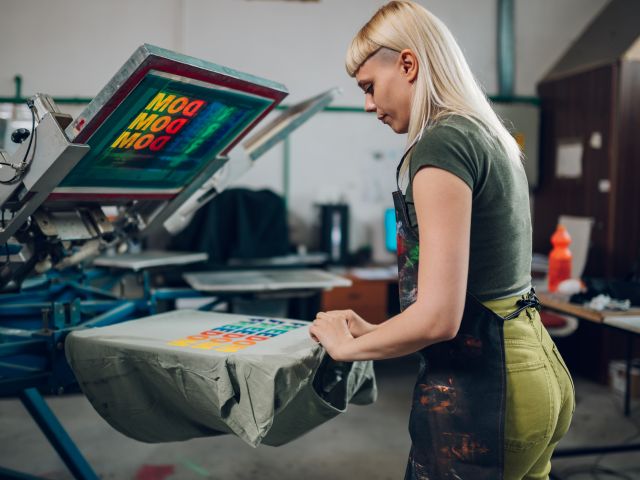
560, 304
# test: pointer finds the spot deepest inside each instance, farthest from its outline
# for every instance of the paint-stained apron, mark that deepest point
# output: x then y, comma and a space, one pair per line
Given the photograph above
458, 411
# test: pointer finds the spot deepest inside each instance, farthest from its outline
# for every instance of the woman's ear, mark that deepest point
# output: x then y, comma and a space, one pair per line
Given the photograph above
409, 64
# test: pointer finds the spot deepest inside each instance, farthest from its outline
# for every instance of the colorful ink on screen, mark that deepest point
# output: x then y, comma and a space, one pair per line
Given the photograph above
161, 135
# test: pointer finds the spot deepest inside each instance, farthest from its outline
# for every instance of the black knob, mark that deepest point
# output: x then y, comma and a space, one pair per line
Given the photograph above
20, 135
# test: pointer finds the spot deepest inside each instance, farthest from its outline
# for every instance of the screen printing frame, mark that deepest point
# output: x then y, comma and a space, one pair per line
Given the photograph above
288, 121
146, 62
242, 159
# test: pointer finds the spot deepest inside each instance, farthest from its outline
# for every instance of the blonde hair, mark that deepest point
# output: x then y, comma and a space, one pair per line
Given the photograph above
444, 85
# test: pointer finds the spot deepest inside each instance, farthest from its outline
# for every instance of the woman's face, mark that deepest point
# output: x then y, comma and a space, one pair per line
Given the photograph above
387, 81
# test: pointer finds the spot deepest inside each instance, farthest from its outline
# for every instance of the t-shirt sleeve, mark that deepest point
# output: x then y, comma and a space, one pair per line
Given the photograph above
447, 148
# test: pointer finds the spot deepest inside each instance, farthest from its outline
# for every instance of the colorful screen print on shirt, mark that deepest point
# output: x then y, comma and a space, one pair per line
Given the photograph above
237, 336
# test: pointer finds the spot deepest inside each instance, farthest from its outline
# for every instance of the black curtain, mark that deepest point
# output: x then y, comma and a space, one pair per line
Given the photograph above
237, 223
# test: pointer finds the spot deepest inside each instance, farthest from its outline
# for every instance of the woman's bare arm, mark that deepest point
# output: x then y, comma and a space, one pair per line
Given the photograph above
443, 209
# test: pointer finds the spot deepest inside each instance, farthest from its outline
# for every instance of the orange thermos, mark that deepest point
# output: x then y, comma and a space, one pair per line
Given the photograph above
559, 258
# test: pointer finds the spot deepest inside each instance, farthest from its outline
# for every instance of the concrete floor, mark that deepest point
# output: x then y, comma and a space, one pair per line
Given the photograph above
368, 442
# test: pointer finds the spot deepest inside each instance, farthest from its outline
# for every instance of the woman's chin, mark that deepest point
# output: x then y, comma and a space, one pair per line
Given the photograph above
397, 129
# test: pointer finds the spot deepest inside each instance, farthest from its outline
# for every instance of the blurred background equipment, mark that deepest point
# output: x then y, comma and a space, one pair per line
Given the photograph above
334, 232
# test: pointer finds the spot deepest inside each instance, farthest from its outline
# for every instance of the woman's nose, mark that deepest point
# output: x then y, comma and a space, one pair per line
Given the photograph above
369, 106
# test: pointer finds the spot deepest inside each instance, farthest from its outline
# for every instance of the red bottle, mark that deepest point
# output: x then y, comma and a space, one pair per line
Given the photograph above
559, 258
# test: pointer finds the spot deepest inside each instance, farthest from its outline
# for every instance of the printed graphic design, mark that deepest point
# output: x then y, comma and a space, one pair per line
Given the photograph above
234, 337
439, 398
408, 256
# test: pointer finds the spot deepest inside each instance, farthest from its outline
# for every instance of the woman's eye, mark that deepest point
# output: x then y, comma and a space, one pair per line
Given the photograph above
369, 89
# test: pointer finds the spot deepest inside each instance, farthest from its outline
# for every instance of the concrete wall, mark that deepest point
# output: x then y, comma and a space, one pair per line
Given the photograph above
72, 48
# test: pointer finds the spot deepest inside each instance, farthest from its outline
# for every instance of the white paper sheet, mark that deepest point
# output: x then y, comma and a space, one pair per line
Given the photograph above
579, 229
569, 159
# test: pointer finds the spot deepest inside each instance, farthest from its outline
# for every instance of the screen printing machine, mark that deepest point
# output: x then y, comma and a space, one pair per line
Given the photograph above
154, 145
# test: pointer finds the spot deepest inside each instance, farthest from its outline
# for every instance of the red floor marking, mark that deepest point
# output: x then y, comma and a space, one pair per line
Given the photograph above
154, 472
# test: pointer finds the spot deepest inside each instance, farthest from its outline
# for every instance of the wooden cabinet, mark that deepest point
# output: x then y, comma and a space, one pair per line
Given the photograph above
373, 300
595, 104
591, 98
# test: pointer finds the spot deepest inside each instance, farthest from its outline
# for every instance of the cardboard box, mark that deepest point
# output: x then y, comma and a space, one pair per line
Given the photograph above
617, 377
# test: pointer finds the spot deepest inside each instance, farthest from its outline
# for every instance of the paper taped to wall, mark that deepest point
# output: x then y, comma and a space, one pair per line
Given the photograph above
569, 159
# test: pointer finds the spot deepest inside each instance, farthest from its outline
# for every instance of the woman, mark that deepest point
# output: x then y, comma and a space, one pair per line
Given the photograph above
493, 396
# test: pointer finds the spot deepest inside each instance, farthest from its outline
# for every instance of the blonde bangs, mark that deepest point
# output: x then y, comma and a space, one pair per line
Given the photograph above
360, 49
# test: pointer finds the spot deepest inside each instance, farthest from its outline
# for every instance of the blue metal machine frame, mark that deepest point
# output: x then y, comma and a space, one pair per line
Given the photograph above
33, 326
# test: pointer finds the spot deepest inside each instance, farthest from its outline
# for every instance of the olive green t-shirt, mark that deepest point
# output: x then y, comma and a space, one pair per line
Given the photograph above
500, 251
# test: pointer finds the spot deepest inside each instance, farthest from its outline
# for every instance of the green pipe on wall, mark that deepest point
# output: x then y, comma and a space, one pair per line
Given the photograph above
330, 108
506, 48
18, 83
501, 98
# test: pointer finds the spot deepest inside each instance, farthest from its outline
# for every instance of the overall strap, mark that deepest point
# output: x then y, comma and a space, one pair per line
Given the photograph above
404, 156
527, 301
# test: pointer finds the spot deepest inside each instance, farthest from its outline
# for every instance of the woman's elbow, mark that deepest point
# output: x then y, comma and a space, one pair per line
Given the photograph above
444, 325
450, 331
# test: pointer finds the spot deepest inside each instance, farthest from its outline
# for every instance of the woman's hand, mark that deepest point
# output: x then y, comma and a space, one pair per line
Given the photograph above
332, 331
357, 325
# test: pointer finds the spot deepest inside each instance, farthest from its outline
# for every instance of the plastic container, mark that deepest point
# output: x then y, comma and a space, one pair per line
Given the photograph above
559, 258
